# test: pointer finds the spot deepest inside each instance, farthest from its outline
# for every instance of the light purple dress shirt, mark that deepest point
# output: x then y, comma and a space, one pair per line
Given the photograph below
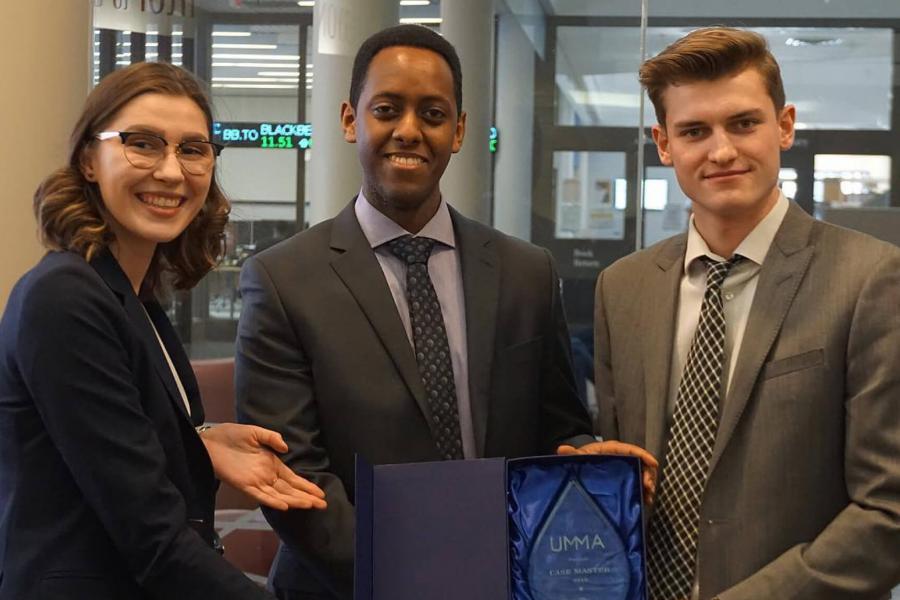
446, 276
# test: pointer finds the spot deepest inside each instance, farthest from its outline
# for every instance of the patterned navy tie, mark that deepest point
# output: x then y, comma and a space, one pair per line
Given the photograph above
430, 342
674, 528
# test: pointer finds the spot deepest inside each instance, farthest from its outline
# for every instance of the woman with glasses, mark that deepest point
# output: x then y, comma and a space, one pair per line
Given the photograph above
106, 487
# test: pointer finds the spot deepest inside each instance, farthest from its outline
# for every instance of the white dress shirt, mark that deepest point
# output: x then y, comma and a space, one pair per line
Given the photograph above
446, 276
738, 291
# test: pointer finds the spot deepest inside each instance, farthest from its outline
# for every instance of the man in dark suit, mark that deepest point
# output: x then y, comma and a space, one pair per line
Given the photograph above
766, 373
348, 343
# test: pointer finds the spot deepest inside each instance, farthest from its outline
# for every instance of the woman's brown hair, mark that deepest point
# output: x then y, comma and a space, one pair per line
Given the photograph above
70, 211
708, 54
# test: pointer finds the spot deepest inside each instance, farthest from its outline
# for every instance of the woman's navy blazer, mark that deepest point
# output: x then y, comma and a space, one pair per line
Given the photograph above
106, 490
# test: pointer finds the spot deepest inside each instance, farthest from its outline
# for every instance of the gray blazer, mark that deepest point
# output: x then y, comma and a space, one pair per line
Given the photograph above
323, 358
803, 496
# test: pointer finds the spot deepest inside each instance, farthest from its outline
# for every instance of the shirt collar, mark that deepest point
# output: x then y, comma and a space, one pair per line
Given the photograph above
754, 247
379, 229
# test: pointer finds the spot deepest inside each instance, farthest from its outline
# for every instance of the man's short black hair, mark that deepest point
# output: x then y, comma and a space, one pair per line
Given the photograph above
417, 36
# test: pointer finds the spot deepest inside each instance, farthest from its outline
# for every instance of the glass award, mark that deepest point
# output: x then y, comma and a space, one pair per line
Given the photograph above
578, 553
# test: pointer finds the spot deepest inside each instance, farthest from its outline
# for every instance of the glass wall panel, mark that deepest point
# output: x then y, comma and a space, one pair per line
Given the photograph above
666, 208
590, 195
855, 191
596, 78
596, 86
787, 181
820, 66
837, 61
596, 74
852, 181
255, 73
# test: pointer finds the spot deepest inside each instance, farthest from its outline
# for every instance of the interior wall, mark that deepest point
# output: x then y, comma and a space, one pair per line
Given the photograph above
44, 56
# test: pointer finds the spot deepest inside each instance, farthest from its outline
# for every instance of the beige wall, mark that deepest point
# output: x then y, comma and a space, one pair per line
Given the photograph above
45, 51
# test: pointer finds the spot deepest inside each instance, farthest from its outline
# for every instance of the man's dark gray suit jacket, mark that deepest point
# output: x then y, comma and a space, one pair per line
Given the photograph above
322, 357
803, 496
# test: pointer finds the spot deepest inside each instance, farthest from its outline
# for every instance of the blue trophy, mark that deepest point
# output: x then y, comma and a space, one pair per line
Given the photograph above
578, 554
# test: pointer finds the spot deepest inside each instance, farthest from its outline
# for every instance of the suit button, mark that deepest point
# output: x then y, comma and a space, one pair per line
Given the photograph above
709, 521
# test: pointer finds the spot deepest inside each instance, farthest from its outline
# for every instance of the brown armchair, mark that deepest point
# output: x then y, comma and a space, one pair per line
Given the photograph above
249, 542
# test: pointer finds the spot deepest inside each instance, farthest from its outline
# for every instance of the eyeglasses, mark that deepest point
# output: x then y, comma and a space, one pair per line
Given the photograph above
146, 150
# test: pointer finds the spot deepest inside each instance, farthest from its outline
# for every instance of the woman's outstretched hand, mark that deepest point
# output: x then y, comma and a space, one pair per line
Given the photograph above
244, 456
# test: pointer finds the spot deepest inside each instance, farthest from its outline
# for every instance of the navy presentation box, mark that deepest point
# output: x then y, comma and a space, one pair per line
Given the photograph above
440, 530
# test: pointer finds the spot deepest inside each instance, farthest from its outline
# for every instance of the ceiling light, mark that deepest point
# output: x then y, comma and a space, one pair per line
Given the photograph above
257, 65
799, 42
422, 20
415, 2
258, 56
260, 86
231, 34
247, 46
306, 3
278, 74
612, 99
258, 79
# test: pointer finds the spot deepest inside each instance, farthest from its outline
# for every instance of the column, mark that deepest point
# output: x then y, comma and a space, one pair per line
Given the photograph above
515, 122
339, 27
45, 57
469, 26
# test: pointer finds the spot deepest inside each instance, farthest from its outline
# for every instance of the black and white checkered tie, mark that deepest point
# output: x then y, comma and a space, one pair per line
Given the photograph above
674, 528
430, 342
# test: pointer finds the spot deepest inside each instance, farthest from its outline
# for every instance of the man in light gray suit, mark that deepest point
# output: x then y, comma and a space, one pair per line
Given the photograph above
348, 343
766, 369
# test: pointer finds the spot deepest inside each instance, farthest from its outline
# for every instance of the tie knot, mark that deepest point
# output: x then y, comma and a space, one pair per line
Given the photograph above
412, 250
717, 271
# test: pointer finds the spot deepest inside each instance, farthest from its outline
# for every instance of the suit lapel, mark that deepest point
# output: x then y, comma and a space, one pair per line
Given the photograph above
784, 267
358, 268
481, 289
658, 322
107, 267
